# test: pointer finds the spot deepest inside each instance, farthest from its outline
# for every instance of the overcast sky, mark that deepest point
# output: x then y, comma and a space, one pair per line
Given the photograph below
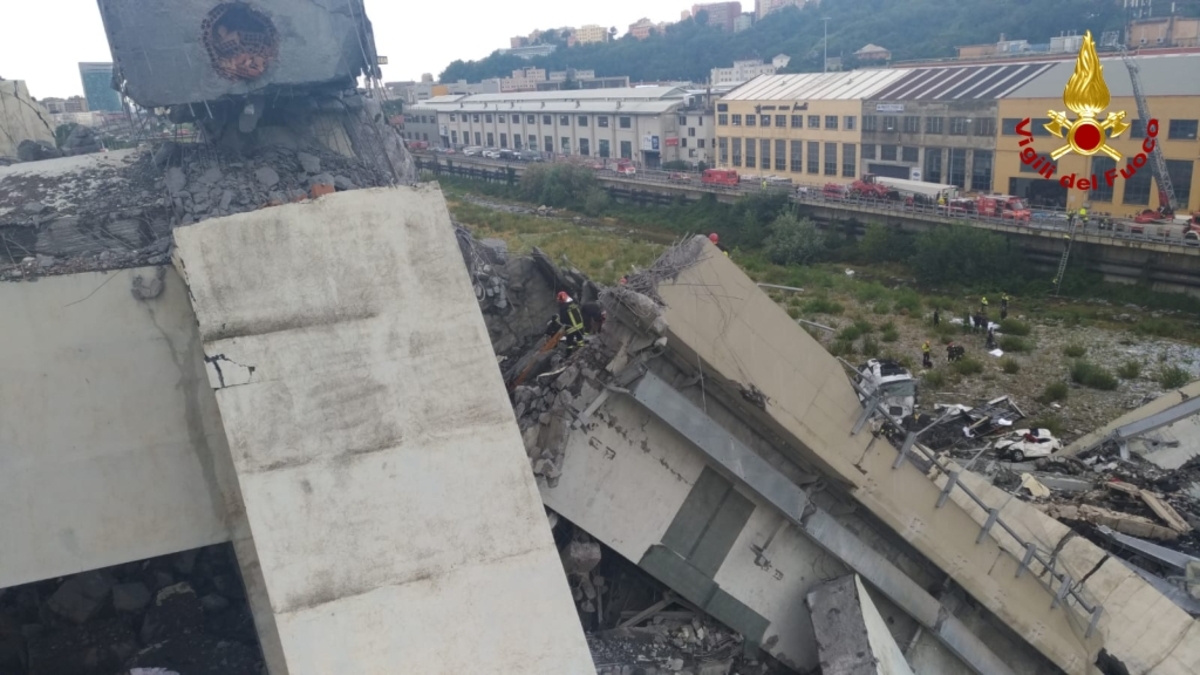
44, 40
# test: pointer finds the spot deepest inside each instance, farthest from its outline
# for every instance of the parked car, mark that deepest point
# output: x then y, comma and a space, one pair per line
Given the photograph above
472, 151
491, 153
530, 156
507, 155
1025, 444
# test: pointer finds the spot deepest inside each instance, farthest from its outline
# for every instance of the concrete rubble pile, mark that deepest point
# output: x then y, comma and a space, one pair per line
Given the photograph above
552, 391
184, 612
1141, 507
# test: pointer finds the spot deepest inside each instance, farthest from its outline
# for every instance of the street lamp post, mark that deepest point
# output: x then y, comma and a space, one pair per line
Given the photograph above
825, 65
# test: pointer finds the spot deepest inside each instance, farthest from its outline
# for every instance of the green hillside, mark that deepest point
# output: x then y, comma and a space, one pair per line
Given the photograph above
911, 29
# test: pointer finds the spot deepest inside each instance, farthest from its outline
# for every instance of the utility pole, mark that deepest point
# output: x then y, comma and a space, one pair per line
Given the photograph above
825, 64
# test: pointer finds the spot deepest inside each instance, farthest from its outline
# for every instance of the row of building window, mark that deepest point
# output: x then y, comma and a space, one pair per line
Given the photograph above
913, 124
757, 154
1137, 189
849, 122
788, 156
1177, 130
603, 146
623, 121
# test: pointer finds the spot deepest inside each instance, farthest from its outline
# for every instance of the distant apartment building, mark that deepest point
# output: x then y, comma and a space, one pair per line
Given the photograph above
743, 22
1167, 31
415, 92
642, 29
54, 105
765, 7
525, 79
530, 51
721, 14
743, 71
97, 87
590, 34
76, 104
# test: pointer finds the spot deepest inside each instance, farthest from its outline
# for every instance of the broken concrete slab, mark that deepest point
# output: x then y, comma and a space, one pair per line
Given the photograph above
330, 449
852, 637
1121, 522
201, 52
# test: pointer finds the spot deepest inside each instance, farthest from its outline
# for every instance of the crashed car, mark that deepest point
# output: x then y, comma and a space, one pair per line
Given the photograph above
1025, 444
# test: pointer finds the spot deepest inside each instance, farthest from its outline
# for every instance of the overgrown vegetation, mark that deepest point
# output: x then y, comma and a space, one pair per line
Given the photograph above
1173, 377
1014, 327
1052, 423
935, 378
967, 366
1092, 376
794, 241
1130, 370
1074, 351
1014, 344
690, 48
1010, 366
1054, 392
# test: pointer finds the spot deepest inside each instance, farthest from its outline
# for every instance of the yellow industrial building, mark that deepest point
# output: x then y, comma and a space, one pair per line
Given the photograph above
956, 124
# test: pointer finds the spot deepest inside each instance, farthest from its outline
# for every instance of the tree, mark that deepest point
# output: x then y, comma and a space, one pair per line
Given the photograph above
794, 241
558, 185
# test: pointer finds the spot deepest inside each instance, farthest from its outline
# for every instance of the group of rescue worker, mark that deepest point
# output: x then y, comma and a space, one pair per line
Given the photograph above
978, 321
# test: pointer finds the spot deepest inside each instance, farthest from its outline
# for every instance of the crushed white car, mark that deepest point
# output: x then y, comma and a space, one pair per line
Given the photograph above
1024, 444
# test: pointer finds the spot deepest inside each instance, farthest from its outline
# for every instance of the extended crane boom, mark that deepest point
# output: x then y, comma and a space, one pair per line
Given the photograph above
1158, 163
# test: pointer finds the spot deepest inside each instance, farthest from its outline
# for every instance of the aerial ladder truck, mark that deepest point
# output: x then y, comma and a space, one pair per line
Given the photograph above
1158, 167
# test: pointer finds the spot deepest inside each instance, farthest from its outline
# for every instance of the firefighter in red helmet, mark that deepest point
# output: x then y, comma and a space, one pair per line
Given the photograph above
717, 242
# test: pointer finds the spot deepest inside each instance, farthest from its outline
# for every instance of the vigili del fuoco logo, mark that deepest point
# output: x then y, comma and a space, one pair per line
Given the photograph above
1087, 96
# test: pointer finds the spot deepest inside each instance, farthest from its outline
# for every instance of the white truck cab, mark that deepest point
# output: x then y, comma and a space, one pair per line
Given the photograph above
897, 383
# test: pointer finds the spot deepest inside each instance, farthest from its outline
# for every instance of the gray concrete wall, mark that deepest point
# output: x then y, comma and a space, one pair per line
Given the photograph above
396, 523
21, 118
111, 446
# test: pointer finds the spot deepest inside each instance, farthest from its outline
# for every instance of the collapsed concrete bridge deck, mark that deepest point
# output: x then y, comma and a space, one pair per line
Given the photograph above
706, 438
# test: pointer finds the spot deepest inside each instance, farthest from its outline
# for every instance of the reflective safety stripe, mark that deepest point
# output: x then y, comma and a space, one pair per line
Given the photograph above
576, 317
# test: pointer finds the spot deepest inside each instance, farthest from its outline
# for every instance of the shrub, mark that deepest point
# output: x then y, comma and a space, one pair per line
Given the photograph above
1160, 328
881, 308
1173, 377
1074, 351
967, 366
884, 244
850, 333
1055, 391
1010, 366
1051, 422
863, 326
1014, 327
947, 331
889, 333
793, 241
907, 302
823, 306
842, 347
935, 378
960, 253
597, 202
793, 312
1092, 376
1130, 370
1014, 344
870, 347
558, 185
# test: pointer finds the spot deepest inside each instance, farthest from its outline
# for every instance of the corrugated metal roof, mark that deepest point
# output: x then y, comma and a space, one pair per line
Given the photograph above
1165, 75
555, 107
856, 84
616, 94
956, 83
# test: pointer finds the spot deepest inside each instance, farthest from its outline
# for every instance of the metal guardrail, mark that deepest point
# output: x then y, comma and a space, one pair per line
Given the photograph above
1067, 588
1046, 221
